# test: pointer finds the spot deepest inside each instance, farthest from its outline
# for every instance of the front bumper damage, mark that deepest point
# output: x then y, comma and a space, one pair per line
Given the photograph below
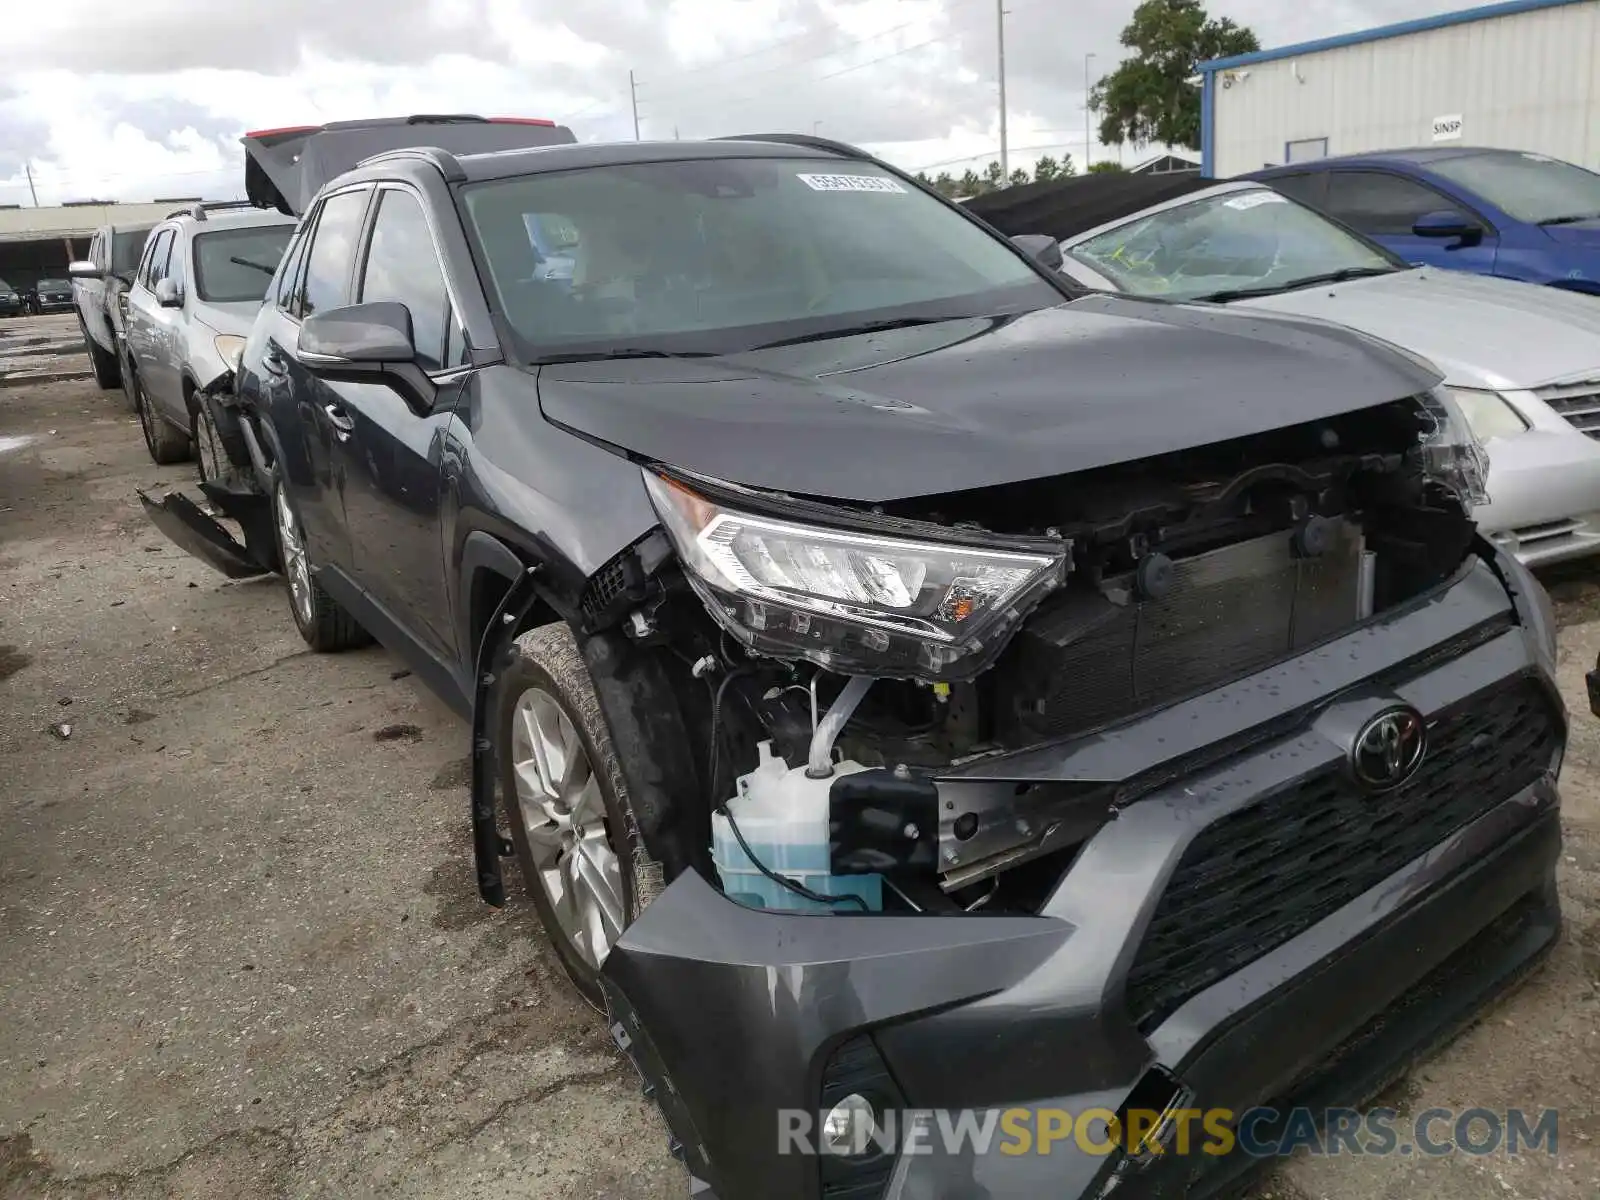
202, 535
1053, 1011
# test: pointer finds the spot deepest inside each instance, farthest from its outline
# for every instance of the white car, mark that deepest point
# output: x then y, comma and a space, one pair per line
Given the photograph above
1523, 360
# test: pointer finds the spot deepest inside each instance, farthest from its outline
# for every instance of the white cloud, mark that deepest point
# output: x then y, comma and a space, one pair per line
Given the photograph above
102, 97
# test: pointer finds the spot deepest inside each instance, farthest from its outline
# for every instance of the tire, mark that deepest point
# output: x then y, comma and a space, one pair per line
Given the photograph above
326, 627
544, 675
103, 363
166, 444
217, 456
129, 392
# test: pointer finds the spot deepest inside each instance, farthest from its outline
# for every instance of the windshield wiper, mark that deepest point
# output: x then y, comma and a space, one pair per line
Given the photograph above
603, 355
1571, 219
852, 330
262, 267
1340, 276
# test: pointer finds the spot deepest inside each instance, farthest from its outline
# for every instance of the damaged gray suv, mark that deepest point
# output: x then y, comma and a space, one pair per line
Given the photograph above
912, 684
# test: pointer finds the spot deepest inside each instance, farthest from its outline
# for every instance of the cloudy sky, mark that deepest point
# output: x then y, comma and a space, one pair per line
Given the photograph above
135, 99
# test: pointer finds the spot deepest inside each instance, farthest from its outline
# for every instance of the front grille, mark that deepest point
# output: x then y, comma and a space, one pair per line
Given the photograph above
1266, 873
1578, 402
1082, 660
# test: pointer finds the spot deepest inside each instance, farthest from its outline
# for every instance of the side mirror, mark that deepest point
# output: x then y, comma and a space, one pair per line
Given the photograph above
357, 338
1042, 248
367, 342
84, 269
167, 294
1447, 223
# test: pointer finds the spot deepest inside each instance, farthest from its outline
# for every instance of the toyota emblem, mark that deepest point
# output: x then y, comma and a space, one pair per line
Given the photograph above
1389, 749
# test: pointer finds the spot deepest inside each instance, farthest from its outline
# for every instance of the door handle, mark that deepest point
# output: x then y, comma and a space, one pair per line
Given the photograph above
272, 362
339, 419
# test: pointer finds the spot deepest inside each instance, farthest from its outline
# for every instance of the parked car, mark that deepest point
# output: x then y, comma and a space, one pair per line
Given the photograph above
913, 681
195, 293
11, 301
1523, 363
1490, 212
52, 296
100, 291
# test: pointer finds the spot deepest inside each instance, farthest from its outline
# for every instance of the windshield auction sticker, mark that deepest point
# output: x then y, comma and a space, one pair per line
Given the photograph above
1252, 199
850, 183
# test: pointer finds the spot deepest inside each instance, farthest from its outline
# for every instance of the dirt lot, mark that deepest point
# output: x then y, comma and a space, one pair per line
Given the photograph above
240, 950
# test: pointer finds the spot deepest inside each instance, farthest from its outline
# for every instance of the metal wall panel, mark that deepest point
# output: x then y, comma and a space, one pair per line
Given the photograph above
1525, 82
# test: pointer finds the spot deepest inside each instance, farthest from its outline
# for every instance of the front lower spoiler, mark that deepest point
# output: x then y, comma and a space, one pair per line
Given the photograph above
203, 536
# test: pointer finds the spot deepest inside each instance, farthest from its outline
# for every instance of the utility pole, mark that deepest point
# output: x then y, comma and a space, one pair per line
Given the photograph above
633, 93
1000, 31
27, 169
1088, 138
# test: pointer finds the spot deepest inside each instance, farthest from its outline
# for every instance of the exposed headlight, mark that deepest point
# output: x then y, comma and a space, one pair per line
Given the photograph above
1452, 455
230, 349
876, 604
1488, 413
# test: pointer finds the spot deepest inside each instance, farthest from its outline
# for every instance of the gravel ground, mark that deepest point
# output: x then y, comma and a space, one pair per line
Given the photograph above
240, 949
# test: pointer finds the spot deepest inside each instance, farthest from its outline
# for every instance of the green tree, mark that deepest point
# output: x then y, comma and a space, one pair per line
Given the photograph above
1046, 169
1019, 176
993, 177
945, 184
1067, 167
1146, 99
922, 178
1106, 167
970, 184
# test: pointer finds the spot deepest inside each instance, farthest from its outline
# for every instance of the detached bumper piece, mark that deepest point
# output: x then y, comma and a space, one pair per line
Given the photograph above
1254, 931
182, 520
1592, 680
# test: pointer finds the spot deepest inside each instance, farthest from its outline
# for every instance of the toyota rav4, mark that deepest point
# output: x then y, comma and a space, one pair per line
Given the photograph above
910, 683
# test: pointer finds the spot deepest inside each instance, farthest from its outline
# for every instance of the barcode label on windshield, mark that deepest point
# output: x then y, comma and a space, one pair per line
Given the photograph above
850, 183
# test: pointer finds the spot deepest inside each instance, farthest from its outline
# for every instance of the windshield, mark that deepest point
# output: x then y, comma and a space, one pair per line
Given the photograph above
722, 255
1255, 239
1529, 187
235, 265
126, 247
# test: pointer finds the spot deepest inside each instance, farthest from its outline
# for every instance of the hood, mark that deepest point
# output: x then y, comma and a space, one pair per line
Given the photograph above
1480, 331
978, 402
233, 317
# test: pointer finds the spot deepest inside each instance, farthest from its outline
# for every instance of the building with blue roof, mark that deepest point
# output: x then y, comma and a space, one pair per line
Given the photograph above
1519, 74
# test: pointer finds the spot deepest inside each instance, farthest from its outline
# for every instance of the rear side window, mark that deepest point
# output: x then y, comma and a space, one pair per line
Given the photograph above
333, 252
1378, 203
1308, 189
289, 272
403, 265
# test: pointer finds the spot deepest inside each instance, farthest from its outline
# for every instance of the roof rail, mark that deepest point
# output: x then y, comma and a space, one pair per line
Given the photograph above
199, 210
799, 139
441, 160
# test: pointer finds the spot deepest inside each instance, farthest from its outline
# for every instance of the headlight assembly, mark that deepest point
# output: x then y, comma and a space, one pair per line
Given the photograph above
1489, 414
854, 601
230, 349
1452, 455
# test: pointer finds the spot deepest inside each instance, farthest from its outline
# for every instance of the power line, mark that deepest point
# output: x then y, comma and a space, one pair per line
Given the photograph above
992, 155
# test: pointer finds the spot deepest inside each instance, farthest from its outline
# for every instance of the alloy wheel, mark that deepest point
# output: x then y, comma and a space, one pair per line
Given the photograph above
296, 570
563, 813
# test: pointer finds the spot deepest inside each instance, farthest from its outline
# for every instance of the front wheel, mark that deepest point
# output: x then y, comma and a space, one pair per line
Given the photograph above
576, 838
322, 622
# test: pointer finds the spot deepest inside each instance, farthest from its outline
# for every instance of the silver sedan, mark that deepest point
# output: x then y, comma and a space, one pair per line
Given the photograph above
1522, 360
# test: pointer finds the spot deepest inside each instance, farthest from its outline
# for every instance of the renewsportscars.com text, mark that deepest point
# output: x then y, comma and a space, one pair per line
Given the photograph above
1257, 1132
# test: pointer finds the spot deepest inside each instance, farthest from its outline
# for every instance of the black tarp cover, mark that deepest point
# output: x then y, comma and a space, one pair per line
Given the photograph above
1064, 208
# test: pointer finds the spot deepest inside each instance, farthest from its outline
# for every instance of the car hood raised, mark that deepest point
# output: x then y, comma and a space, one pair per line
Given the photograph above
977, 402
1480, 331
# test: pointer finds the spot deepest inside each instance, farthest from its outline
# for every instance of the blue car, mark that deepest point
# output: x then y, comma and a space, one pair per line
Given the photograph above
1492, 212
